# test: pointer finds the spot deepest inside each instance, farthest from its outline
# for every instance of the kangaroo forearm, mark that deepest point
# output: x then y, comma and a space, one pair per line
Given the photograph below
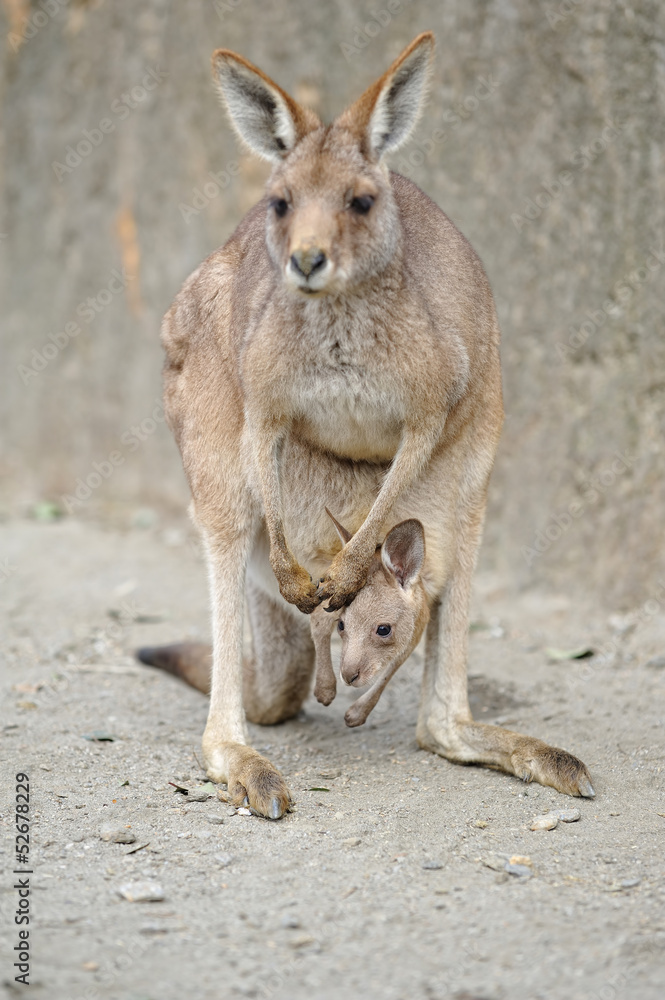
414, 452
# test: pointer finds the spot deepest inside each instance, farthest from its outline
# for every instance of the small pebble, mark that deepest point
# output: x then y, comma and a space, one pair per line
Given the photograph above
567, 815
630, 883
215, 820
522, 871
351, 842
242, 811
432, 865
196, 795
497, 862
301, 941
547, 822
90, 966
224, 860
117, 835
141, 892
656, 663
289, 921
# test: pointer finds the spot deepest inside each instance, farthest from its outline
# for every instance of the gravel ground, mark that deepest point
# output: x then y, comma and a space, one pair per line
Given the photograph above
389, 878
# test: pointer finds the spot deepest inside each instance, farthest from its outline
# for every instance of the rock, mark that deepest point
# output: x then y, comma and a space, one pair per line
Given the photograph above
197, 795
432, 865
117, 835
302, 940
567, 815
521, 871
244, 811
351, 842
656, 663
215, 820
289, 921
497, 862
141, 892
626, 883
547, 822
224, 860
330, 772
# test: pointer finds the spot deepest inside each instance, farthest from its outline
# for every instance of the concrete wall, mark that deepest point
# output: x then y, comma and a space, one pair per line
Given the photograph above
543, 141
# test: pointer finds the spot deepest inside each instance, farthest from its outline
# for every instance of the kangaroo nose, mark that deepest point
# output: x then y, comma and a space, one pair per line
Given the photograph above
306, 262
354, 678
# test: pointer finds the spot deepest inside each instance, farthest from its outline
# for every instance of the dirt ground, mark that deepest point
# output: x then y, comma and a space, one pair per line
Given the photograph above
388, 880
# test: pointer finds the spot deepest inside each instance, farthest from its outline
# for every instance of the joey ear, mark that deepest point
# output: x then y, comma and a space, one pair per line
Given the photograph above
384, 117
345, 536
269, 121
403, 551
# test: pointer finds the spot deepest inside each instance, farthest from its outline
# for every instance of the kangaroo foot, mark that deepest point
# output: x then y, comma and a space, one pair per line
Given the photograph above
533, 760
252, 780
525, 757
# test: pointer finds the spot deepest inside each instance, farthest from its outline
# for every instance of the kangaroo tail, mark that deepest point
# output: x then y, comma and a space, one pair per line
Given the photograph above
191, 661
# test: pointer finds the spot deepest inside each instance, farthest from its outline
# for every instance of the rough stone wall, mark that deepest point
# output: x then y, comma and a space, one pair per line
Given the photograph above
543, 141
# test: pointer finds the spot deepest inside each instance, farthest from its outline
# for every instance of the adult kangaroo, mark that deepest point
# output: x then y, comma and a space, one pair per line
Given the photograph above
341, 349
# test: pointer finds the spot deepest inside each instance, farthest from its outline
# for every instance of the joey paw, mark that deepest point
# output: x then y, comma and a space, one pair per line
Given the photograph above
325, 692
356, 715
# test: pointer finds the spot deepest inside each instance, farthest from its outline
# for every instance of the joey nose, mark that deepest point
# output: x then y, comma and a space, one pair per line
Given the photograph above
307, 262
354, 678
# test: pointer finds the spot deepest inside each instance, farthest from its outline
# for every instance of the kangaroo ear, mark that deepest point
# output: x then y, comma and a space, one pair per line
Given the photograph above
269, 121
403, 552
344, 535
384, 117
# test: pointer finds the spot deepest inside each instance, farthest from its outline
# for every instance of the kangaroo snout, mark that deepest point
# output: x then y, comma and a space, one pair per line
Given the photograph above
356, 675
308, 260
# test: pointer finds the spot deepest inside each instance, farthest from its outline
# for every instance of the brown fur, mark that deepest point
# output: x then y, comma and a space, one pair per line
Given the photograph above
370, 378
392, 597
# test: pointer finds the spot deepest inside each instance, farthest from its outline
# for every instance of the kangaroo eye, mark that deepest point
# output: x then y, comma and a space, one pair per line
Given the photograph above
362, 204
340, 626
383, 630
280, 207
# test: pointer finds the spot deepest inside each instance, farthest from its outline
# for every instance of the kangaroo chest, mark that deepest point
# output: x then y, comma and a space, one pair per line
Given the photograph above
347, 411
346, 392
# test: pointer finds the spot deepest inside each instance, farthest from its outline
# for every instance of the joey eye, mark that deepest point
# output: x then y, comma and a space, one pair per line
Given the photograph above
362, 204
280, 206
383, 630
340, 626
